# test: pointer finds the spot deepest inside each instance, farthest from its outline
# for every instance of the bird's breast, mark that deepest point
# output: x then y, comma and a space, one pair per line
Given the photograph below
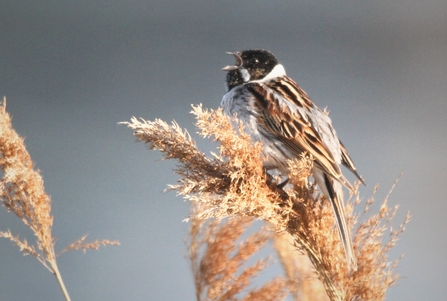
241, 103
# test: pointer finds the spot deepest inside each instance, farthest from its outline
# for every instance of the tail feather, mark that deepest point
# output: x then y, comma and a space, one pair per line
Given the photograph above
347, 161
333, 191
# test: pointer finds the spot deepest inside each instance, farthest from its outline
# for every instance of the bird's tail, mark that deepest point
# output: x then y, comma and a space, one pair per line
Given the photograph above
333, 191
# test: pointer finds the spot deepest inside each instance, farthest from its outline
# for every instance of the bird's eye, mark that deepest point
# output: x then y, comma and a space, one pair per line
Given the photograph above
255, 61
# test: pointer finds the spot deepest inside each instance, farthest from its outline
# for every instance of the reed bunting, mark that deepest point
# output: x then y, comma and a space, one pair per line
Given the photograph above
279, 114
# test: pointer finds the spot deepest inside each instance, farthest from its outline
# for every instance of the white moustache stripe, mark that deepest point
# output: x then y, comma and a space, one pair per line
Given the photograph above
245, 75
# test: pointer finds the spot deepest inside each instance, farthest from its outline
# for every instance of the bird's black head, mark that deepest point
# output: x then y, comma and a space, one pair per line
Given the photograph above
250, 65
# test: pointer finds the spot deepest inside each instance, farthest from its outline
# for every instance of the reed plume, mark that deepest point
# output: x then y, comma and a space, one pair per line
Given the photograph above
233, 183
22, 192
219, 258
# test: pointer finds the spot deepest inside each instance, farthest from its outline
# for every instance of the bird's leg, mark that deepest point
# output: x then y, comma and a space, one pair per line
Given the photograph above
283, 183
270, 180
269, 177
278, 188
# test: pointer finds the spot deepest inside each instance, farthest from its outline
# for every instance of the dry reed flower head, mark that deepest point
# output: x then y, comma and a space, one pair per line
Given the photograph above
219, 260
22, 192
303, 281
233, 183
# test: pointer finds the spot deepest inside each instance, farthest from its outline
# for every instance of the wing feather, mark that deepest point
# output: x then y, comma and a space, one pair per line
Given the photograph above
347, 161
284, 114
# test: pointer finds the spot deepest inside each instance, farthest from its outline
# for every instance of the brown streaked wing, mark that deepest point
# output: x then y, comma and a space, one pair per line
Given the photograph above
286, 124
291, 91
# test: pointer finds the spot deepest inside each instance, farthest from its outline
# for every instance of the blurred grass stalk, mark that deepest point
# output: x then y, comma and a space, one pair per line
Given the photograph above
22, 192
232, 183
219, 254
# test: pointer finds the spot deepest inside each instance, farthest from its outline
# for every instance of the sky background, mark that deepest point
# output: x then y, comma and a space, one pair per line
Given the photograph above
71, 70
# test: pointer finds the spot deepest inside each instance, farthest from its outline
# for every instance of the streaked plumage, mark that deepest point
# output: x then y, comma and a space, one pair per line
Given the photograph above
277, 112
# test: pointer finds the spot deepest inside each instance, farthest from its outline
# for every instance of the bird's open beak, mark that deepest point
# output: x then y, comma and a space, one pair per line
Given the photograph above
238, 62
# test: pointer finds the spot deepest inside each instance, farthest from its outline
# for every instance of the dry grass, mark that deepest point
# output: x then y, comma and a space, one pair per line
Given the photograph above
218, 260
22, 192
304, 283
232, 183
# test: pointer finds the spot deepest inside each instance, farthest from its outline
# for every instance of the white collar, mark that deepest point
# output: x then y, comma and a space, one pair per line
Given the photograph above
278, 71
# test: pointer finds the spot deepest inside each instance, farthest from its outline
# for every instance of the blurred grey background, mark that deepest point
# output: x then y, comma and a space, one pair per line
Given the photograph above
72, 69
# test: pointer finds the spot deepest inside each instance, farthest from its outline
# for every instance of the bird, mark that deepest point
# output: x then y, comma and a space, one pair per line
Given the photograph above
278, 113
